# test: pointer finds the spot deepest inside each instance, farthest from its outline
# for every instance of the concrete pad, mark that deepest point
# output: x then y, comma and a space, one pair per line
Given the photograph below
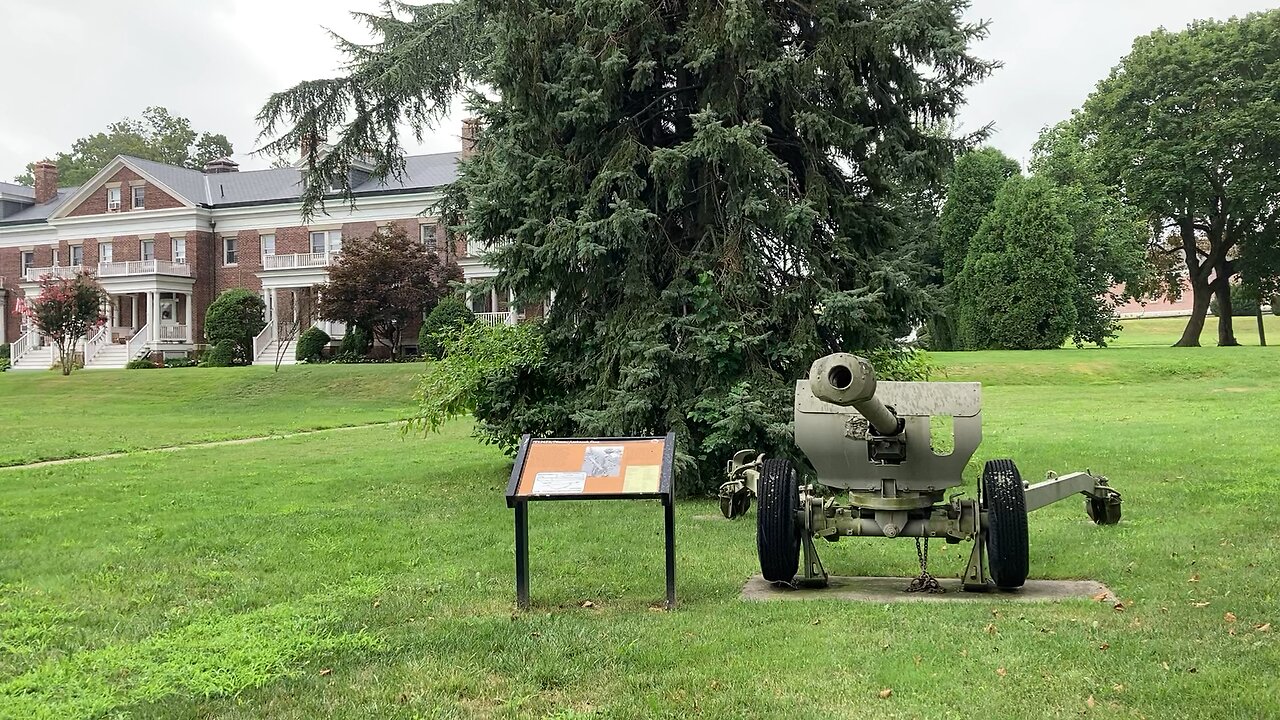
893, 590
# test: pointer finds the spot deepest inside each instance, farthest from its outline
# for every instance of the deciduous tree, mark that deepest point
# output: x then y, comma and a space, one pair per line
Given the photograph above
158, 136
65, 311
1188, 126
383, 282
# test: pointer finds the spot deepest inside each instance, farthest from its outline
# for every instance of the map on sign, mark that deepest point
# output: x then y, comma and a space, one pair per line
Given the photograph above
592, 467
558, 483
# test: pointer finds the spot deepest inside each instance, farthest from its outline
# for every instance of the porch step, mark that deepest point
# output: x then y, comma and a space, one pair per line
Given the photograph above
115, 355
269, 353
34, 359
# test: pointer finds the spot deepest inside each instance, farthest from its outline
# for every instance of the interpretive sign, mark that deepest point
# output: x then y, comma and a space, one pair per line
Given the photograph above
591, 469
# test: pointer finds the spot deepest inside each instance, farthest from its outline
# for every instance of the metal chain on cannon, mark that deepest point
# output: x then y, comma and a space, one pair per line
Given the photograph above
924, 582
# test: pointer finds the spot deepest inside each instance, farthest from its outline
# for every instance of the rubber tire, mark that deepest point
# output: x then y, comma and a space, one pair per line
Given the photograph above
1006, 504
777, 537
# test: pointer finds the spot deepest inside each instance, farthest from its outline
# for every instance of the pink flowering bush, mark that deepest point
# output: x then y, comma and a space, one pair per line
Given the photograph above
66, 310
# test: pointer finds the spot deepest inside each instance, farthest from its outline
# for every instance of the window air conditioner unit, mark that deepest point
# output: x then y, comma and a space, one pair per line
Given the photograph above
113, 206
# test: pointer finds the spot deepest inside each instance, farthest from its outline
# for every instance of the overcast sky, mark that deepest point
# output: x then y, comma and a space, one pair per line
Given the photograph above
70, 67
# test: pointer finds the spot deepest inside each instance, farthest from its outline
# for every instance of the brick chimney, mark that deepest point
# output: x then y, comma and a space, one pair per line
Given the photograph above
221, 165
470, 135
46, 174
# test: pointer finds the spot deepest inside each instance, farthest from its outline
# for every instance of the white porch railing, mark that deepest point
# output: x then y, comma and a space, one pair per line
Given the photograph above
263, 339
29, 341
497, 318
143, 267
174, 333
96, 342
297, 260
62, 272
138, 341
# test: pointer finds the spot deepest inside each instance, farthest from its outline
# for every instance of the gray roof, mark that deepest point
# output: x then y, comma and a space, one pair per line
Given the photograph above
422, 172
39, 213
17, 190
252, 187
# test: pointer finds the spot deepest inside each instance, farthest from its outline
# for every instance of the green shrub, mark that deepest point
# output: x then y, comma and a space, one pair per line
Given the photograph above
1244, 302
222, 354
4, 364
311, 345
181, 363
141, 364
1016, 290
355, 344
237, 315
903, 364
4, 350
449, 315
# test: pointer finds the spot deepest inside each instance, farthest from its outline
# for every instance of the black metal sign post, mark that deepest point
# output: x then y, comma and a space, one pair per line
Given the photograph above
592, 469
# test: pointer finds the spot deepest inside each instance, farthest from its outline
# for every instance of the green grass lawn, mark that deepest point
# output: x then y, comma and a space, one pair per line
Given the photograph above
45, 416
1166, 331
369, 575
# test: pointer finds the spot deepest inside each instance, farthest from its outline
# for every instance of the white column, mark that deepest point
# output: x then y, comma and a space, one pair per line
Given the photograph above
513, 316
273, 311
191, 335
153, 316
133, 312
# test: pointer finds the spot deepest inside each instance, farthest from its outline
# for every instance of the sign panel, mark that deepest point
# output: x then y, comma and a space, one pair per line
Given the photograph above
550, 468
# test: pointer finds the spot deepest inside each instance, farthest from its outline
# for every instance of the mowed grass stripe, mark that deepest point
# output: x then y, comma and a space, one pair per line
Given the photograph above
47, 416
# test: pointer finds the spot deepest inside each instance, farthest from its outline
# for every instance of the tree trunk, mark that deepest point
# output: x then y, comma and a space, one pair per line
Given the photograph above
1200, 295
1262, 328
1226, 314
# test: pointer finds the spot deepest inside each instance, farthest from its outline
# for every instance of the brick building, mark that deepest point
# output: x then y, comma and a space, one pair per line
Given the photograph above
164, 241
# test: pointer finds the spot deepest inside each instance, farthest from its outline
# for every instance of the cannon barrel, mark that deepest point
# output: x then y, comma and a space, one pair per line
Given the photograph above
850, 381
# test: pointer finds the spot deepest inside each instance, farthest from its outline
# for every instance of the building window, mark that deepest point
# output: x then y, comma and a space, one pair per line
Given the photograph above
28, 261
77, 255
228, 251
113, 199
326, 241
268, 245
427, 232
139, 197
318, 242
148, 250
180, 250
105, 252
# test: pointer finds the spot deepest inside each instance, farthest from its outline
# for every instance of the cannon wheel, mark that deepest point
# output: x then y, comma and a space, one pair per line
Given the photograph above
1006, 504
777, 538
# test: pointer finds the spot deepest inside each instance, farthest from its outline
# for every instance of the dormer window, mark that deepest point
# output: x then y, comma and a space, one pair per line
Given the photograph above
139, 197
113, 199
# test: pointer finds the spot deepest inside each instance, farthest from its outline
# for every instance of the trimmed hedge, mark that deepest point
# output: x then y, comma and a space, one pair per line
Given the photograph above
222, 354
237, 315
141, 364
355, 344
311, 345
450, 314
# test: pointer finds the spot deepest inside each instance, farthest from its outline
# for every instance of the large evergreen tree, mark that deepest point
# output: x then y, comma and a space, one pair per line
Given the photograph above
972, 185
1188, 127
1017, 287
704, 187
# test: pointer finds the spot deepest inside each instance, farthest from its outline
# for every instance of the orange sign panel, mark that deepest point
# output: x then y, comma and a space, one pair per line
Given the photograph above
621, 467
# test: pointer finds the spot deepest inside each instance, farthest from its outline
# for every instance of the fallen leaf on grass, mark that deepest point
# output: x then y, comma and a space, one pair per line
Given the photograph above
1104, 646
588, 604
1090, 702
1164, 665
1200, 604
326, 671
1118, 688
1264, 627
1101, 597
1118, 607
1001, 672
1229, 617
1194, 578
886, 693
990, 629
377, 603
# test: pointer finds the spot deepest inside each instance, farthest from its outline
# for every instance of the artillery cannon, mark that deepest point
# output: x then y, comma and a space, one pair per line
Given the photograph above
874, 441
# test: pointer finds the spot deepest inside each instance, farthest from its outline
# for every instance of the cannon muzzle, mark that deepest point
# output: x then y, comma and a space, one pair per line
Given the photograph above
849, 381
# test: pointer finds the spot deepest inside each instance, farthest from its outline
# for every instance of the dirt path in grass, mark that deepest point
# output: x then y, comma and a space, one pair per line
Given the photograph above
194, 446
